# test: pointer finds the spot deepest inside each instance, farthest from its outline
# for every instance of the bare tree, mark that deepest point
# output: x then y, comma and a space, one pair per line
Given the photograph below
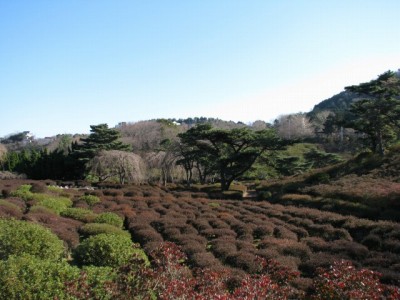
125, 166
3, 152
162, 166
294, 126
147, 136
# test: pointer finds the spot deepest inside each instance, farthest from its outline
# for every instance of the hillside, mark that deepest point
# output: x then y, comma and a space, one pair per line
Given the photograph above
337, 103
366, 186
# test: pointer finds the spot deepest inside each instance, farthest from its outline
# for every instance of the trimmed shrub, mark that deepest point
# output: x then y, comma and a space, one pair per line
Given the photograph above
57, 204
38, 187
106, 250
90, 199
80, 214
30, 277
20, 237
8, 212
93, 283
110, 218
90, 229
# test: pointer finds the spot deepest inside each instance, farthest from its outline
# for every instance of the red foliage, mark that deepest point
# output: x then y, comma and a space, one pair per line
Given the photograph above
344, 281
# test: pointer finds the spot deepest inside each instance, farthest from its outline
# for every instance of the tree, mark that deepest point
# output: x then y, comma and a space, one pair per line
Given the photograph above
294, 126
377, 112
101, 138
229, 152
126, 166
320, 159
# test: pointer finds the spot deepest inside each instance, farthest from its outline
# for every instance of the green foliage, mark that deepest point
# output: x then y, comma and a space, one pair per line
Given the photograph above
57, 204
377, 114
8, 204
230, 153
98, 279
100, 138
23, 192
318, 178
29, 277
80, 214
110, 218
99, 228
90, 199
320, 159
105, 250
42, 209
55, 189
19, 237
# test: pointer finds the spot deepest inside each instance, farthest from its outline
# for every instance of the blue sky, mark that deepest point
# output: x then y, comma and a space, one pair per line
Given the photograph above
66, 65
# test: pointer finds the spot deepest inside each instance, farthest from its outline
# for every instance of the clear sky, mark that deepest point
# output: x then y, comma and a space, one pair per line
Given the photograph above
65, 65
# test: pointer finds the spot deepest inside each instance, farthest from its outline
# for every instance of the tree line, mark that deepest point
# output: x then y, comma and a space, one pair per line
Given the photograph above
195, 151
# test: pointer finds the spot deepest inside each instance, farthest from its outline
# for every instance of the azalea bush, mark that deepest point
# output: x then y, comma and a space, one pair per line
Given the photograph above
343, 281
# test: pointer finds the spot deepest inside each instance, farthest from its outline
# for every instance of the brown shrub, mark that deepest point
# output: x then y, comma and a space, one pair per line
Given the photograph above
391, 245
244, 261
223, 248
348, 248
10, 211
203, 260
317, 260
316, 244
146, 235
262, 231
284, 233
372, 241
268, 253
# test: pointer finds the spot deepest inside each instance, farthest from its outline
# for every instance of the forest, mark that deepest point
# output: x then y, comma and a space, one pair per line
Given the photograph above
304, 208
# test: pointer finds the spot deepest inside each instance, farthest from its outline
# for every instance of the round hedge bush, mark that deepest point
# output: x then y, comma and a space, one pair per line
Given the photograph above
90, 199
29, 277
80, 214
110, 218
19, 237
105, 250
90, 229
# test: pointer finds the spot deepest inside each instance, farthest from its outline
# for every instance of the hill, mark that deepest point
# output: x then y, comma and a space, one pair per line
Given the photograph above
337, 103
366, 186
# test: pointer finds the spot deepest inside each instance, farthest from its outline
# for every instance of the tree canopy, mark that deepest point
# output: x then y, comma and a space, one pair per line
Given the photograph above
229, 153
377, 112
101, 138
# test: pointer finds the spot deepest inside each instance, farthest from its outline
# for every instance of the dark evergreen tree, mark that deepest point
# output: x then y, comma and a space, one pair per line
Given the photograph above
377, 113
100, 138
230, 153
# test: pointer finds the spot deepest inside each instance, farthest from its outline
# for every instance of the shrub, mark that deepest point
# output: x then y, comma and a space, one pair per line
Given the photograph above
80, 214
23, 192
90, 229
57, 204
10, 212
38, 187
343, 281
93, 283
40, 209
29, 277
110, 218
90, 199
20, 237
5, 193
372, 241
106, 250
318, 178
55, 189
